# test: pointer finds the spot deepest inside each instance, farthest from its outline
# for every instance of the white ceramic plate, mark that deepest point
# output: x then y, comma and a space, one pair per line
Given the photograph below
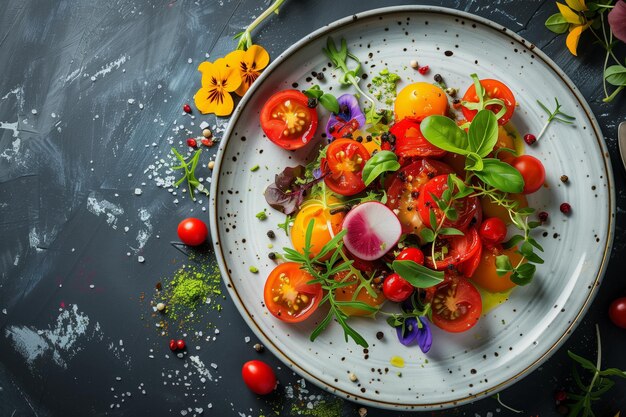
511, 340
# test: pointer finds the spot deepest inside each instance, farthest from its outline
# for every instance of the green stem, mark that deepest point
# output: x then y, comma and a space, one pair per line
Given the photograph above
596, 374
246, 35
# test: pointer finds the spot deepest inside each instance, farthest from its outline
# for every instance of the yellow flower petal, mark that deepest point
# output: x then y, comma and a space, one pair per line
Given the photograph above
569, 15
578, 5
228, 76
250, 66
214, 100
573, 37
258, 55
224, 107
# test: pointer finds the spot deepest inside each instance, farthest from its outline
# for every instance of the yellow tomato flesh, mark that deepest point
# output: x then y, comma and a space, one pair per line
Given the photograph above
486, 275
347, 294
420, 100
325, 224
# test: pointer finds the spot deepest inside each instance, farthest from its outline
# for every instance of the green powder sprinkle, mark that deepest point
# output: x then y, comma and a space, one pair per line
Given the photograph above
261, 215
254, 168
254, 269
384, 86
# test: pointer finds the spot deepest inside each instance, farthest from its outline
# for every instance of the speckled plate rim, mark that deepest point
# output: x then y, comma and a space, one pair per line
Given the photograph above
324, 32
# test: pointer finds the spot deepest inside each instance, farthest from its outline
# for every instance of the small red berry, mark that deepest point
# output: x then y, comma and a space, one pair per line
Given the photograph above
207, 142
543, 216
560, 396
187, 108
530, 138
423, 70
565, 208
173, 345
192, 142
180, 344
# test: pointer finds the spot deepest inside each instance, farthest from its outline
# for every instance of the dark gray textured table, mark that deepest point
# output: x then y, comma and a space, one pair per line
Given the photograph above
90, 102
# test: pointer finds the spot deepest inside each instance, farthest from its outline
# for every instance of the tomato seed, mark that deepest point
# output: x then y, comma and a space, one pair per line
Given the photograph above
187, 108
529, 138
565, 208
192, 142
423, 70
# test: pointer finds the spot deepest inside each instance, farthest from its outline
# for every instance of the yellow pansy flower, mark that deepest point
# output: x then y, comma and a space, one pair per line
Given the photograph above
569, 15
219, 79
250, 63
574, 36
578, 5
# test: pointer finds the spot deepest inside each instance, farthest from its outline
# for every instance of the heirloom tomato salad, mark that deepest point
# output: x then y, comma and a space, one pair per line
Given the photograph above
413, 209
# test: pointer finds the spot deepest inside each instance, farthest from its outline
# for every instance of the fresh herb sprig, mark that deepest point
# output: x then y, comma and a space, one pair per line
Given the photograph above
286, 224
599, 384
445, 203
245, 37
327, 100
483, 99
556, 114
189, 175
340, 56
323, 272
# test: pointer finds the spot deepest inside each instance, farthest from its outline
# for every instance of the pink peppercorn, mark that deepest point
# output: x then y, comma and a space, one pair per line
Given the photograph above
543, 216
187, 108
530, 138
565, 208
192, 142
423, 70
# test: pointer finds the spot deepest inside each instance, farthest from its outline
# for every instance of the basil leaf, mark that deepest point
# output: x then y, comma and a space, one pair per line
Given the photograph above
450, 231
501, 176
383, 161
474, 162
417, 275
512, 241
329, 102
557, 23
427, 235
616, 75
445, 134
314, 92
523, 274
483, 133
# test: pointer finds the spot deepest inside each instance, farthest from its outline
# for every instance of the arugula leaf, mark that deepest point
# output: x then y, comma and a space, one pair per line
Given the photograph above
444, 133
501, 175
380, 162
417, 275
483, 133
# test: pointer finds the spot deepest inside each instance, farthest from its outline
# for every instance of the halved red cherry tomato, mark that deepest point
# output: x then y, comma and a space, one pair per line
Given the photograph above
456, 305
468, 268
411, 254
287, 120
344, 162
343, 128
494, 89
492, 231
532, 171
287, 294
452, 250
410, 141
404, 191
465, 207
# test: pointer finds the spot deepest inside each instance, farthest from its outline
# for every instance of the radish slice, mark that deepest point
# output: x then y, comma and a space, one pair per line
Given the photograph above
372, 230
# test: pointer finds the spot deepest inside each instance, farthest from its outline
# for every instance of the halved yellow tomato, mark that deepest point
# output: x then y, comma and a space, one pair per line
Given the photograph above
325, 224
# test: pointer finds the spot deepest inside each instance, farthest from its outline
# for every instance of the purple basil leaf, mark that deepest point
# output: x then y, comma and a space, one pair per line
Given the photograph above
285, 195
288, 176
424, 335
349, 110
617, 20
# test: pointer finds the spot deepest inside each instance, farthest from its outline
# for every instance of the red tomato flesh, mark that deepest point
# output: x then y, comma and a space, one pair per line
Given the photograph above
287, 294
410, 142
465, 207
344, 162
494, 89
287, 120
532, 171
456, 305
453, 250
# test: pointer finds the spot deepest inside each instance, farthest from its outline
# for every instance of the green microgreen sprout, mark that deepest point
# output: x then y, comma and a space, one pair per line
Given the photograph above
189, 175
245, 37
327, 100
557, 115
483, 99
286, 224
600, 382
497, 397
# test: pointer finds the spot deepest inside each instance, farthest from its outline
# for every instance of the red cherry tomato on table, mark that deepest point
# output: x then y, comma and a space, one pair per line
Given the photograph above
532, 171
287, 294
494, 89
259, 377
410, 141
344, 162
411, 254
617, 312
492, 231
465, 207
287, 120
192, 231
456, 305
396, 288
404, 191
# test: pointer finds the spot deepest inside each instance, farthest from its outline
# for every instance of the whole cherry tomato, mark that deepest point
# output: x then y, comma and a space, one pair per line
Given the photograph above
532, 171
396, 288
192, 231
492, 231
259, 377
411, 254
617, 312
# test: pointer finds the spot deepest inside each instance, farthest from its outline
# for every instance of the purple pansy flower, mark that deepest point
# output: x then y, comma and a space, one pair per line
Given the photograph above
617, 20
414, 333
349, 118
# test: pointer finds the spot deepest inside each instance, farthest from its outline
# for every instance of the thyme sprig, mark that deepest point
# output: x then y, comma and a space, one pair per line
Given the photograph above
556, 114
600, 382
189, 175
523, 272
245, 37
324, 272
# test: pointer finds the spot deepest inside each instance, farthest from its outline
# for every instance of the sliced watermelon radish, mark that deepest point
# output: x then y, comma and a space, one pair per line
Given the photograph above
372, 230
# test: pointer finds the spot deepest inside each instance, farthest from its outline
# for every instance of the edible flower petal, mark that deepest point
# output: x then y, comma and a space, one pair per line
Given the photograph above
349, 117
617, 20
578, 5
569, 15
219, 79
574, 37
416, 330
250, 63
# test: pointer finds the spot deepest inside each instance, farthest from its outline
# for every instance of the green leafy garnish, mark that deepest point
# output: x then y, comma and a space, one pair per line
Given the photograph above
327, 100
475, 145
379, 163
285, 225
600, 383
557, 115
261, 215
324, 273
190, 168
417, 275
483, 99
